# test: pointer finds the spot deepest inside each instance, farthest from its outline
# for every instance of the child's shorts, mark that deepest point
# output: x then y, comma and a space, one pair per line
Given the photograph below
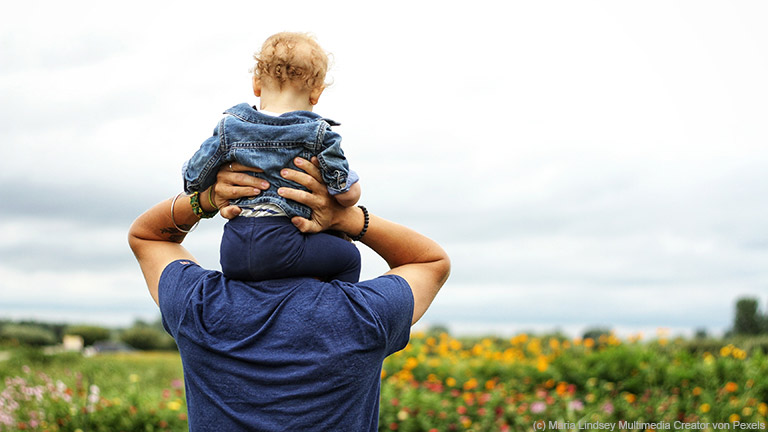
262, 248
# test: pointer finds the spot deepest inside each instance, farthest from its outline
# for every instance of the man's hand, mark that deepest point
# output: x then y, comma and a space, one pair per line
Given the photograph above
232, 182
326, 211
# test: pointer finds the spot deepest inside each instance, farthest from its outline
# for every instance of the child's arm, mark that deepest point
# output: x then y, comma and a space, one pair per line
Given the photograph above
350, 197
200, 171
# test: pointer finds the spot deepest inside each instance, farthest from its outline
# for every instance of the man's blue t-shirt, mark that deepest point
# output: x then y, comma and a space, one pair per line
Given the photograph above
289, 354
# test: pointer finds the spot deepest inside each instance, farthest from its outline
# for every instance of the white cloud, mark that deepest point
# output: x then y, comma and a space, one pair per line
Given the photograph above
614, 150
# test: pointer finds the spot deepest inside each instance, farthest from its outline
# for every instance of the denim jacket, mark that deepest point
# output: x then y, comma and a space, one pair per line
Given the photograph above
271, 143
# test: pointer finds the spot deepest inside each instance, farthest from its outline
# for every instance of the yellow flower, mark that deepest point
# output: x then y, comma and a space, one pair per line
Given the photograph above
471, 384
734, 418
174, 405
450, 381
117, 401
589, 342
542, 364
133, 378
704, 407
763, 409
410, 363
630, 398
747, 411
726, 350
490, 384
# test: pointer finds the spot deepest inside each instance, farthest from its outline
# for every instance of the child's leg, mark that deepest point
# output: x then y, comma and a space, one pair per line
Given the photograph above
272, 248
328, 256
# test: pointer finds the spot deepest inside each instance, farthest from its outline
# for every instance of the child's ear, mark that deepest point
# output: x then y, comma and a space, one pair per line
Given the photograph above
256, 86
314, 95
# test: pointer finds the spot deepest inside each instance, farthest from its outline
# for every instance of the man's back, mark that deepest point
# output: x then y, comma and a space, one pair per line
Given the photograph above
290, 354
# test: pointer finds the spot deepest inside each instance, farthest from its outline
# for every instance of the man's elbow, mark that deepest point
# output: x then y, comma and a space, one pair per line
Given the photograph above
134, 238
446, 268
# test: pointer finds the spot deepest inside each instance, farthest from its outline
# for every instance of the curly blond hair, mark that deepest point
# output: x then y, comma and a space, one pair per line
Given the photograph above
294, 58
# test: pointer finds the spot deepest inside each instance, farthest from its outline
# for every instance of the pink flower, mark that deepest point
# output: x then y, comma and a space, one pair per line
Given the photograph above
538, 407
608, 408
577, 405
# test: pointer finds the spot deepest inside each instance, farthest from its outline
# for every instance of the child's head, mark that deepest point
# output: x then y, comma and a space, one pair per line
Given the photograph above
291, 59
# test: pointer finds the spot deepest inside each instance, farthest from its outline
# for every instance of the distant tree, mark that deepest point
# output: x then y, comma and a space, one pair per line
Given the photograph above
90, 333
748, 321
701, 333
26, 334
594, 333
437, 329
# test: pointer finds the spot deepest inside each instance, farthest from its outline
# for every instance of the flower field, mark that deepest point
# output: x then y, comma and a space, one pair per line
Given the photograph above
438, 383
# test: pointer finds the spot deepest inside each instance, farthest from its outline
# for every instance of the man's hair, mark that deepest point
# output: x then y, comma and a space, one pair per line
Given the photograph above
294, 58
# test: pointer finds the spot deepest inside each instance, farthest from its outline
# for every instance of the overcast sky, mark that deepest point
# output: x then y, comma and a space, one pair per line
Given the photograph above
583, 162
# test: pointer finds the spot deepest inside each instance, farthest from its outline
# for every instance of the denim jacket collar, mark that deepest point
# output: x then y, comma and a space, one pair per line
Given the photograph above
248, 113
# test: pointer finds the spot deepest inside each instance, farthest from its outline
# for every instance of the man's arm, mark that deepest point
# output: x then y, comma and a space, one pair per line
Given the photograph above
410, 255
155, 237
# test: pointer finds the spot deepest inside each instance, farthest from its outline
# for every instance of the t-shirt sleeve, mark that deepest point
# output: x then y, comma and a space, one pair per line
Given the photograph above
177, 282
391, 299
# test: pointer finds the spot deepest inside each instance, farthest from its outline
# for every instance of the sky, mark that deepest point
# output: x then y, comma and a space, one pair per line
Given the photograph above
590, 163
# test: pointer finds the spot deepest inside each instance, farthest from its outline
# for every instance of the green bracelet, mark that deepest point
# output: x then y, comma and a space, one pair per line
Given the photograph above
194, 201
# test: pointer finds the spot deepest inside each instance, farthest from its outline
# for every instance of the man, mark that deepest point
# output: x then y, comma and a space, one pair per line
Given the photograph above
289, 354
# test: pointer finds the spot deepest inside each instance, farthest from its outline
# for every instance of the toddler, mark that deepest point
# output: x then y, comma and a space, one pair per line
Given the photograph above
262, 243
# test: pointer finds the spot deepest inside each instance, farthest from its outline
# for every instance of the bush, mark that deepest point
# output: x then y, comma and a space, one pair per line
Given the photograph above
148, 338
90, 334
27, 335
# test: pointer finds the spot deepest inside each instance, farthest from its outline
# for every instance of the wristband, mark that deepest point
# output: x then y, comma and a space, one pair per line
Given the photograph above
210, 198
194, 201
173, 219
365, 224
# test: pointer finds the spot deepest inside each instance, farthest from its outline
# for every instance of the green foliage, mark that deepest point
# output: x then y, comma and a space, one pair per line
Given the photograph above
114, 392
436, 383
90, 333
26, 334
594, 333
147, 338
747, 321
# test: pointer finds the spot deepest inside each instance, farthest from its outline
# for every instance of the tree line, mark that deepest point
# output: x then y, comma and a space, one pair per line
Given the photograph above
748, 321
141, 335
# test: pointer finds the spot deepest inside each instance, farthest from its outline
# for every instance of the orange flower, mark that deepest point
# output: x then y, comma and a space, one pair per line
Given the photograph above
731, 387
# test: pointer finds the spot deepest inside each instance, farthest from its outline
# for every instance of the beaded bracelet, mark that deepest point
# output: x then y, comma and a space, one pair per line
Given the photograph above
194, 201
365, 224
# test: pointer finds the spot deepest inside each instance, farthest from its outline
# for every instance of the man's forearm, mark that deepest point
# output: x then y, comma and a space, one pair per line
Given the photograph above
166, 221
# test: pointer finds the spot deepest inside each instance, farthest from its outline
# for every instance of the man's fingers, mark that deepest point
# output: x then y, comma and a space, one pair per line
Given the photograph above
303, 197
305, 225
238, 167
312, 168
241, 179
230, 211
311, 179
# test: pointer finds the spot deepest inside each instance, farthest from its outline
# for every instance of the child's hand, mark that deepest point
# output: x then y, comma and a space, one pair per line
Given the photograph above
350, 197
232, 183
